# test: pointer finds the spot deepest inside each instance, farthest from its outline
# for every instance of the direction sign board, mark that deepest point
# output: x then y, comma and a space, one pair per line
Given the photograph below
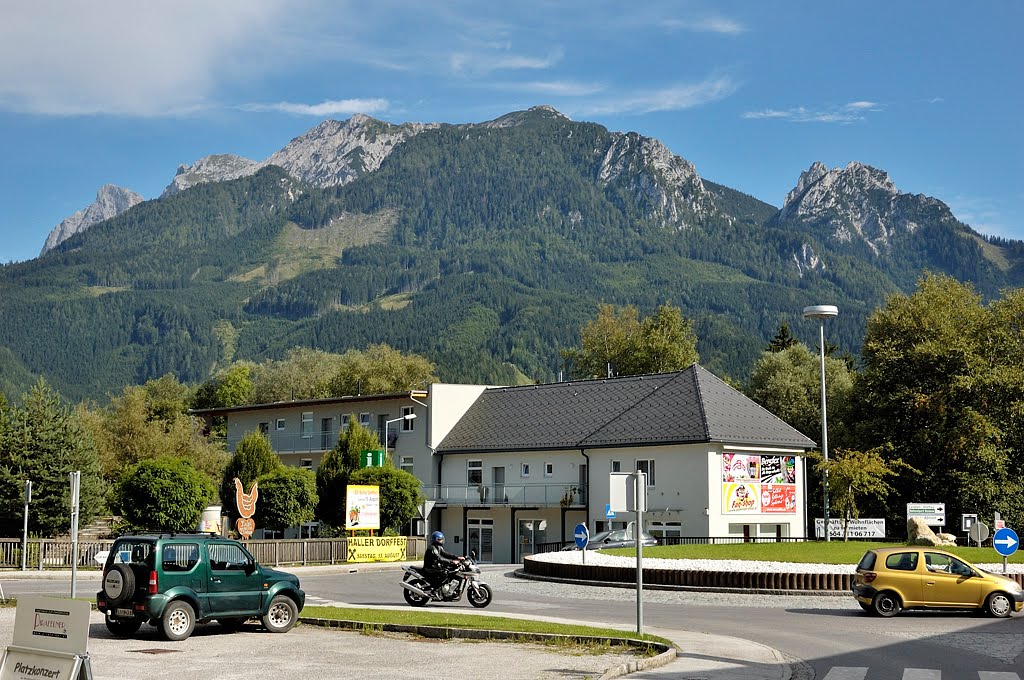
933, 514
1005, 542
978, 532
582, 536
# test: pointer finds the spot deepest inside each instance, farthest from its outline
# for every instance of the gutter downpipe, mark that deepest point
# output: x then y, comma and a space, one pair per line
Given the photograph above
586, 517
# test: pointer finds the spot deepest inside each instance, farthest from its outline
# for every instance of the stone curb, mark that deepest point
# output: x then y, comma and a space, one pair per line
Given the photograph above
524, 574
665, 656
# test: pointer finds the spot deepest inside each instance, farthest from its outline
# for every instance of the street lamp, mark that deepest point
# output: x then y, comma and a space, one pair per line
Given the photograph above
822, 312
407, 416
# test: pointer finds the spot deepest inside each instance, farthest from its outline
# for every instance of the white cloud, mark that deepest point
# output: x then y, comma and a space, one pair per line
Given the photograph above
328, 108
559, 88
480, 63
847, 113
707, 24
131, 58
672, 98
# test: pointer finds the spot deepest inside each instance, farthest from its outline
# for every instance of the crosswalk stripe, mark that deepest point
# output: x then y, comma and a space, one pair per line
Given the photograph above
847, 673
921, 674
997, 675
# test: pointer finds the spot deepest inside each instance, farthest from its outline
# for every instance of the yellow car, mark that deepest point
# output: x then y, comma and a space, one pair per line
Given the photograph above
890, 580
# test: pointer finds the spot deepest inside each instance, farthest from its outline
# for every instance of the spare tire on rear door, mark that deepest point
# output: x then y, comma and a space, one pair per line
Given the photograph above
119, 584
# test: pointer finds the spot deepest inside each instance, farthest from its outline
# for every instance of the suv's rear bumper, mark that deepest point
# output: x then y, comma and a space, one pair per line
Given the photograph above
149, 609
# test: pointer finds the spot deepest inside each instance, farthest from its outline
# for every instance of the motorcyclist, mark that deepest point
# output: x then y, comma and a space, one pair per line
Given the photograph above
437, 561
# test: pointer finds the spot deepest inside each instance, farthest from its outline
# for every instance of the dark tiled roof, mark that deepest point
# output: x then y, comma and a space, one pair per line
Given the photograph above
689, 406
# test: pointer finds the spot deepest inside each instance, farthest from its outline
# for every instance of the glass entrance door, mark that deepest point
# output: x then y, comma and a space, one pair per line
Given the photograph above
481, 539
531, 532
498, 477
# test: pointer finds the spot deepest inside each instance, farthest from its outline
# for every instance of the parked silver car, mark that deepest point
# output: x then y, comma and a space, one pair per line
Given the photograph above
614, 539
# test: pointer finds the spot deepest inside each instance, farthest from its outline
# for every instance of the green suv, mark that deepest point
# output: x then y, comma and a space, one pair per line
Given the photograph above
174, 581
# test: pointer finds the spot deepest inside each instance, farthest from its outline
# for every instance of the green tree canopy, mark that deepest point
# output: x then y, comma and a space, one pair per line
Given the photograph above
619, 341
782, 340
399, 495
287, 498
164, 494
252, 459
942, 382
303, 374
379, 370
41, 440
336, 466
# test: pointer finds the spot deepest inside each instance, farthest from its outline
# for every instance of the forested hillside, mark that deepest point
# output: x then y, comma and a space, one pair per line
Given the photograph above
483, 248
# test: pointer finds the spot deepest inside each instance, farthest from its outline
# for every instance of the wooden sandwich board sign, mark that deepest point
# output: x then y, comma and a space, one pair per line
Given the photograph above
51, 639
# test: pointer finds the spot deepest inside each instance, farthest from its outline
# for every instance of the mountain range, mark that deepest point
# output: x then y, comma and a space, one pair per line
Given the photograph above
482, 246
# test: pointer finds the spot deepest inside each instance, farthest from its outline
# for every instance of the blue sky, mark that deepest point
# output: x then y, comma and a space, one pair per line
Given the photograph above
752, 93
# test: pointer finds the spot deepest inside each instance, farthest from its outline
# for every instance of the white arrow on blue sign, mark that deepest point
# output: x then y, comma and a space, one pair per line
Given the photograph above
1005, 542
582, 536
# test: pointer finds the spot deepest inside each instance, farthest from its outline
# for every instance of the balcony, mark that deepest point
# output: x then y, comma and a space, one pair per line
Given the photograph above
565, 495
316, 442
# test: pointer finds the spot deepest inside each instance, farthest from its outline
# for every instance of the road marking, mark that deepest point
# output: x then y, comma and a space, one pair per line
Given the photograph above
921, 674
847, 673
997, 675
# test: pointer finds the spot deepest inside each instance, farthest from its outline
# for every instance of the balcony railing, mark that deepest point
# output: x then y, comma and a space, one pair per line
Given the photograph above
566, 495
323, 440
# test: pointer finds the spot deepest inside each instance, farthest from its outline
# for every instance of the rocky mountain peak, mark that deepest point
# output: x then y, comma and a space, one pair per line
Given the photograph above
215, 168
111, 201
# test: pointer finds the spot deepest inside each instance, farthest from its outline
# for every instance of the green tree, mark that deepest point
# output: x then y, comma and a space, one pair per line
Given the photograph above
164, 494
618, 342
287, 498
252, 459
399, 495
336, 466
379, 370
858, 474
41, 440
942, 383
303, 374
782, 340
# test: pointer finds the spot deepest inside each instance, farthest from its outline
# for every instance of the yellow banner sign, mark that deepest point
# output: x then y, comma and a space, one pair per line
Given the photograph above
376, 548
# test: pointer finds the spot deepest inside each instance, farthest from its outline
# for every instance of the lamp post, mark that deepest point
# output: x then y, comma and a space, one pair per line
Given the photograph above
407, 416
822, 312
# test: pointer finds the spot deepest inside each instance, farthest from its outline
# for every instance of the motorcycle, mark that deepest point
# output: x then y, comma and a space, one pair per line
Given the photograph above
462, 578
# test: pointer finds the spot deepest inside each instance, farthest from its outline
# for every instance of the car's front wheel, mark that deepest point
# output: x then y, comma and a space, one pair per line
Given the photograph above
123, 628
178, 621
887, 603
282, 615
998, 605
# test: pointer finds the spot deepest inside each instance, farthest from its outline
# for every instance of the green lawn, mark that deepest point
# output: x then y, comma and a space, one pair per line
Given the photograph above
814, 552
416, 617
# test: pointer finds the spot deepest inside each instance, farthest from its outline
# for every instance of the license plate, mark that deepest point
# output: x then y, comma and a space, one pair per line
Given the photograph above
124, 612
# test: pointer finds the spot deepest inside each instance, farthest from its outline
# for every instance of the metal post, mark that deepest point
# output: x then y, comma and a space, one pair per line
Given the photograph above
824, 430
24, 533
640, 491
76, 479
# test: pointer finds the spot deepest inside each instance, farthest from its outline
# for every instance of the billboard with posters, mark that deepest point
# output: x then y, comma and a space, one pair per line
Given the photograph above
755, 483
362, 507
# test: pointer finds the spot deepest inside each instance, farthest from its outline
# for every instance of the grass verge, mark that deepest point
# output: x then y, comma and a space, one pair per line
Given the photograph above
813, 552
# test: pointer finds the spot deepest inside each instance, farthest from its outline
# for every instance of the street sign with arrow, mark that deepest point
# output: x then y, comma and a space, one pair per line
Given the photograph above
1005, 542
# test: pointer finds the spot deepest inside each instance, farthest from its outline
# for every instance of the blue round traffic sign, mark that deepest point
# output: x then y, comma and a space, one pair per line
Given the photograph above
1005, 542
582, 536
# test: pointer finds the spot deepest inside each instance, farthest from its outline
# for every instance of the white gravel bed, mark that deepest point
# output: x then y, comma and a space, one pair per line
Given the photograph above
599, 559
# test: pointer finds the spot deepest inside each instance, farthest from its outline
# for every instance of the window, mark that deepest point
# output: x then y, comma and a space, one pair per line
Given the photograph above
407, 425
663, 529
364, 419
475, 471
307, 425
525, 470
616, 466
345, 417
227, 557
306, 463
407, 464
180, 556
647, 467
280, 424
549, 469
902, 561
264, 428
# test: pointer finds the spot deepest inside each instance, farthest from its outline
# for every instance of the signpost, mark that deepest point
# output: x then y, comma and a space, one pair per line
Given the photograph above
628, 492
24, 534
978, 532
1005, 542
582, 537
933, 514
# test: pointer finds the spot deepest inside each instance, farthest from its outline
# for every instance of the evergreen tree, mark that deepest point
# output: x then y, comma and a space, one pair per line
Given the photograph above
782, 340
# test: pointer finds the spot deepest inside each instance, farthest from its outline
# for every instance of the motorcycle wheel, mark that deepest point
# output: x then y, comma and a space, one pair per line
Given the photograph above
415, 599
479, 596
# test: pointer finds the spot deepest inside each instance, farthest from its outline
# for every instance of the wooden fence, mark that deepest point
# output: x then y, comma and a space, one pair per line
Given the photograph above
52, 553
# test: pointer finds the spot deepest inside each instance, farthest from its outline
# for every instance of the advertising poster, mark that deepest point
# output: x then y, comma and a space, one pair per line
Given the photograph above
739, 468
362, 507
765, 484
740, 497
376, 548
778, 498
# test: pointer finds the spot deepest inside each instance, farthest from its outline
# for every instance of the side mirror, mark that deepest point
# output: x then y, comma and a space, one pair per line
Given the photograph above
250, 568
